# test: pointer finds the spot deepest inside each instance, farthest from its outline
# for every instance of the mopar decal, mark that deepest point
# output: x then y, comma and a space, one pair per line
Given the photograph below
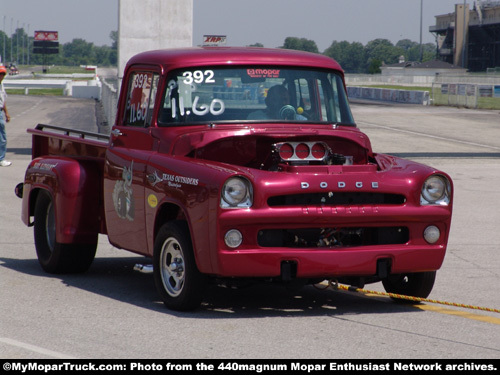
123, 197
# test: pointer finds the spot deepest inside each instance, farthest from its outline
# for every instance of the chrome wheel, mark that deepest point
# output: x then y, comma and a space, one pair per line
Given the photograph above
177, 278
172, 267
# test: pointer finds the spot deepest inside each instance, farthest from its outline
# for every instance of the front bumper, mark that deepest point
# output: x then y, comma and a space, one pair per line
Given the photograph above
389, 234
329, 263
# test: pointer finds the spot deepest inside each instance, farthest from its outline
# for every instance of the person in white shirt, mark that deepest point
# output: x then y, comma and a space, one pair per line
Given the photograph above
4, 118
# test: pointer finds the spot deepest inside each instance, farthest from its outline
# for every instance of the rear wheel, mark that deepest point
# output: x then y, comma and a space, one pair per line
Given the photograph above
410, 284
55, 257
176, 275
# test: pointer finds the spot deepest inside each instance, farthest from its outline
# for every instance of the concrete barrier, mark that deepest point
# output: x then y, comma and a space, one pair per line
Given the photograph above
90, 89
389, 95
84, 89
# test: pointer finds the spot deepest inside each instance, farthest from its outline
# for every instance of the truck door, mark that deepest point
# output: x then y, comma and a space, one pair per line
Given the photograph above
126, 159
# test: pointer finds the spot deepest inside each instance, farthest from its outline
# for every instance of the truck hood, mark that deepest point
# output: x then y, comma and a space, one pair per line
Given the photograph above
270, 146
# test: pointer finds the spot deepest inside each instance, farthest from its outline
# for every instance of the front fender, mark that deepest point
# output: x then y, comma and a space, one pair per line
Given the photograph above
75, 189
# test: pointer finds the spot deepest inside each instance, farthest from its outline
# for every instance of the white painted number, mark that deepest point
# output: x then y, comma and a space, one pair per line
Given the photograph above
137, 112
216, 107
198, 76
141, 81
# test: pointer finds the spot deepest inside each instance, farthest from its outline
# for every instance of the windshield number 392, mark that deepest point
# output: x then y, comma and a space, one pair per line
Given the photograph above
198, 76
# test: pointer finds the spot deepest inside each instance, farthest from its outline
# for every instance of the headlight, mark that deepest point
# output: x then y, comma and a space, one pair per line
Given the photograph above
236, 193
435, 191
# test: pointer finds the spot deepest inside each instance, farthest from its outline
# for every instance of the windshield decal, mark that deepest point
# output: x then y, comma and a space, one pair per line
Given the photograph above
263, 73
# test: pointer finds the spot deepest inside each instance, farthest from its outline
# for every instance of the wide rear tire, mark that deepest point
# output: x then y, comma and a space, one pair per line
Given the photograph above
55, 257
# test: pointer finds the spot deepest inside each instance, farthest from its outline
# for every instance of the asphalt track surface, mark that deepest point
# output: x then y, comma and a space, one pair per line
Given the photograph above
114, 312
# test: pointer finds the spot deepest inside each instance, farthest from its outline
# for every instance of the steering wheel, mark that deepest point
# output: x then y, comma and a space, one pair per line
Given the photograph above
287, 112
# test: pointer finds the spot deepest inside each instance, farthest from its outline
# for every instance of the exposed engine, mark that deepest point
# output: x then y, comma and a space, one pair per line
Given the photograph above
300, 153
274, 154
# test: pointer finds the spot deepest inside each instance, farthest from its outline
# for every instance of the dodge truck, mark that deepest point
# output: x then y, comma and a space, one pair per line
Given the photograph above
230, 165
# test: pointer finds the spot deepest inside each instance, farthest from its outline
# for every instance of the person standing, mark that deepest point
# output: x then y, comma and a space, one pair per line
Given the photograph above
4, 118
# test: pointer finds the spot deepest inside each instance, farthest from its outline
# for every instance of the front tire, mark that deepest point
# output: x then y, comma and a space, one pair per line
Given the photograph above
177, 279
55, 257
417, 284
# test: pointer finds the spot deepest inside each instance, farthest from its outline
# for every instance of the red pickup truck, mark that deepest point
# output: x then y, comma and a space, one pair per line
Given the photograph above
236, 164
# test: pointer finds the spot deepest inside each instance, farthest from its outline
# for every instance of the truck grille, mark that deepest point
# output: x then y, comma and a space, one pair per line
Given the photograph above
332, 237
335, 199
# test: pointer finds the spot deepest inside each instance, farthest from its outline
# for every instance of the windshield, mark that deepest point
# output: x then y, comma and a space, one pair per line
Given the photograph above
254, 94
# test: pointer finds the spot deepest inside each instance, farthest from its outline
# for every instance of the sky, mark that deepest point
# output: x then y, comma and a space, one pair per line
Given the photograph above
244, 22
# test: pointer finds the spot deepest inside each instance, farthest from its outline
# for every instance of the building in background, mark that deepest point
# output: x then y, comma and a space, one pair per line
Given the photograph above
470, 38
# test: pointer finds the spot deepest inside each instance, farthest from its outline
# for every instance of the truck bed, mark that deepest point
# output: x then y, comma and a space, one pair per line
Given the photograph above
54, 140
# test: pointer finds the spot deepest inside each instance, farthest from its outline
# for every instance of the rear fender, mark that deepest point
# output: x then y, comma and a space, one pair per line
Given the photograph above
75, 188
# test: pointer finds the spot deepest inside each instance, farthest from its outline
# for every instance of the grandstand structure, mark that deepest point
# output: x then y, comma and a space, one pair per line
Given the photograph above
470, 37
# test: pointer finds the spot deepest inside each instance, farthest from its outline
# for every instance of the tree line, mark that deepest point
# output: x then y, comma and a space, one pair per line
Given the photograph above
18, 50
354, 57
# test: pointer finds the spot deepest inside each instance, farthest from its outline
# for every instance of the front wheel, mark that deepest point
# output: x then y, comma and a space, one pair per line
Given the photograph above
410, 284
55, 257
176, 275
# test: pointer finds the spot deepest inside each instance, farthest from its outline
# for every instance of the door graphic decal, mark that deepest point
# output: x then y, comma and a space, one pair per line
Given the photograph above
123, 196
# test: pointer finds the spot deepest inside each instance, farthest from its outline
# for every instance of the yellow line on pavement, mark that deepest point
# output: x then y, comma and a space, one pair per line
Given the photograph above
463, 314
34, 348
422, 306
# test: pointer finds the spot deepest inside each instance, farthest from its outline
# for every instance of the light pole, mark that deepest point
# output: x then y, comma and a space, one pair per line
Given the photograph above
11, 39
28, 36
3, 56
421, 47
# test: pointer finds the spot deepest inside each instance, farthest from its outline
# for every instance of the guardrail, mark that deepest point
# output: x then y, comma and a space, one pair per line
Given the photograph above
34, 83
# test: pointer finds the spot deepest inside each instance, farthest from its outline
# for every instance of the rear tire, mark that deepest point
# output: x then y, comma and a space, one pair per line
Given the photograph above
55, 257
410, 284
177, 279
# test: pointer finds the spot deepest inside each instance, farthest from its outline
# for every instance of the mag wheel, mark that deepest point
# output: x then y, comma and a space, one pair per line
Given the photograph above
55, 257
176, 276
410, 284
